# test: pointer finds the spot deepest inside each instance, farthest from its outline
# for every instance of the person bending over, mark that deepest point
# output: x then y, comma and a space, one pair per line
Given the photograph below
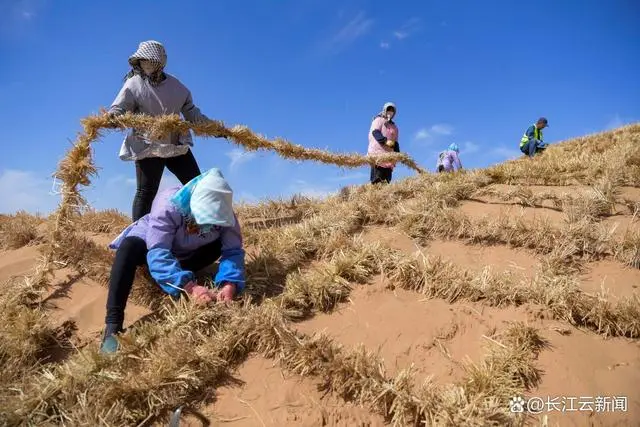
189, 228
449, 159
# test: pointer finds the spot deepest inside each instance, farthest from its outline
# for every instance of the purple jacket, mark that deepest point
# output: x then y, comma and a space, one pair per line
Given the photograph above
165, 232
449, 159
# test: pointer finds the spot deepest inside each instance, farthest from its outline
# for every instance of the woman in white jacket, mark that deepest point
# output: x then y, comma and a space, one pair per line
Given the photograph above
149, 90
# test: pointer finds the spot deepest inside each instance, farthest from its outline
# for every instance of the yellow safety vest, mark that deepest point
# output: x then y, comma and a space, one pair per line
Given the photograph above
537, 134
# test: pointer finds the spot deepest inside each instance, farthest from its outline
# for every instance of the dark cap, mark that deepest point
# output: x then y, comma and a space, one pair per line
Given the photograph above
543, 120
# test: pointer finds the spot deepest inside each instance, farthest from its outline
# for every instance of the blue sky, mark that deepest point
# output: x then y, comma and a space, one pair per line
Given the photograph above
314, 72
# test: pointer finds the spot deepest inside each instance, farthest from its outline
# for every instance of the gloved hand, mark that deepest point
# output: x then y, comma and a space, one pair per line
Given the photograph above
200, 294
112, 114
226, 293
390, 143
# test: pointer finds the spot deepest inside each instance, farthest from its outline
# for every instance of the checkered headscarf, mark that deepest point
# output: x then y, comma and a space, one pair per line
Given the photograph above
154, 52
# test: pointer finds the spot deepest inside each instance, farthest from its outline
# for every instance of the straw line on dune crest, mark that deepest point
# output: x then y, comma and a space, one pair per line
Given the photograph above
578, 161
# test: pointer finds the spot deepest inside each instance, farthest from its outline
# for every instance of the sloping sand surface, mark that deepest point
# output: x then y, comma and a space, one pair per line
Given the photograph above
18, 262
82, 301
262, 395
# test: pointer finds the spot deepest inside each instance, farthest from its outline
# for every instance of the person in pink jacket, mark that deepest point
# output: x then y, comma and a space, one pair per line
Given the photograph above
383, 139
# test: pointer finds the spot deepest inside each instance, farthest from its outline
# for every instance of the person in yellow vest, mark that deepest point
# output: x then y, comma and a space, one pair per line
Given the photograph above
531, 142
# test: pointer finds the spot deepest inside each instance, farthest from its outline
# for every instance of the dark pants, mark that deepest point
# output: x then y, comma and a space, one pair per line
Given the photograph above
133, 253
532, 147
380, 174
148, 176
440, 168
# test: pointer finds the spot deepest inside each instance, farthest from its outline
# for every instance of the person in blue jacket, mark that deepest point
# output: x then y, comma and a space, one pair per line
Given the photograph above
189, 228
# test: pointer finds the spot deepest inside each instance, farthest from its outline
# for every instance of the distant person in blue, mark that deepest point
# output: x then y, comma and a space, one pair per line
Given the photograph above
449, 159
531, 142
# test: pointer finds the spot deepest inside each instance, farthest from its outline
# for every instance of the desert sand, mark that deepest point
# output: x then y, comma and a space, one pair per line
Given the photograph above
402, 325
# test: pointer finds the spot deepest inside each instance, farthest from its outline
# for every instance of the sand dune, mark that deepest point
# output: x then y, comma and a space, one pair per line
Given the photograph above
441, 340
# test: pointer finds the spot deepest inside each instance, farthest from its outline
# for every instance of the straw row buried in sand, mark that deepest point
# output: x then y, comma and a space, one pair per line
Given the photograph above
288, 244
289, 247
75, 173
77, 166
346, 270
579, 161
321, 236
319, 283
220, 339
349, 262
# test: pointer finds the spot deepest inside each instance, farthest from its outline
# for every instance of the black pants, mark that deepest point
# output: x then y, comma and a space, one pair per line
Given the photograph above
380, 174
133, 253
148, 176
440, 168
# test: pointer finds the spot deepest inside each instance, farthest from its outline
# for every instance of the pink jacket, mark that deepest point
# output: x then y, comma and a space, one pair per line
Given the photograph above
390, 131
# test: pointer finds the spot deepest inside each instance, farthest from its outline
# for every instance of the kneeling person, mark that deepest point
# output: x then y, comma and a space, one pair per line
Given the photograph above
449, 159
531, 142
188, 229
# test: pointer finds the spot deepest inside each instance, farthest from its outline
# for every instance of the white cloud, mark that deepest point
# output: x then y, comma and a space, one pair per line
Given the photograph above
245, 197
429, 133
421, 134
23, 10
309, 190
442, 129
505, 153
401, 34
617, 121
239, 156
408, 28
26, 190
384, 45
349, 33
17, 17
469, 148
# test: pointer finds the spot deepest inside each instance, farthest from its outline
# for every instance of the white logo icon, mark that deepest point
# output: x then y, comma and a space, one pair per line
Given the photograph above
516, 404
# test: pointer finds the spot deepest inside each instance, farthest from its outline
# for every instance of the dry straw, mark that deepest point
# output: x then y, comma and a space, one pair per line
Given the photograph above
77, 167
191, 350
241, 135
